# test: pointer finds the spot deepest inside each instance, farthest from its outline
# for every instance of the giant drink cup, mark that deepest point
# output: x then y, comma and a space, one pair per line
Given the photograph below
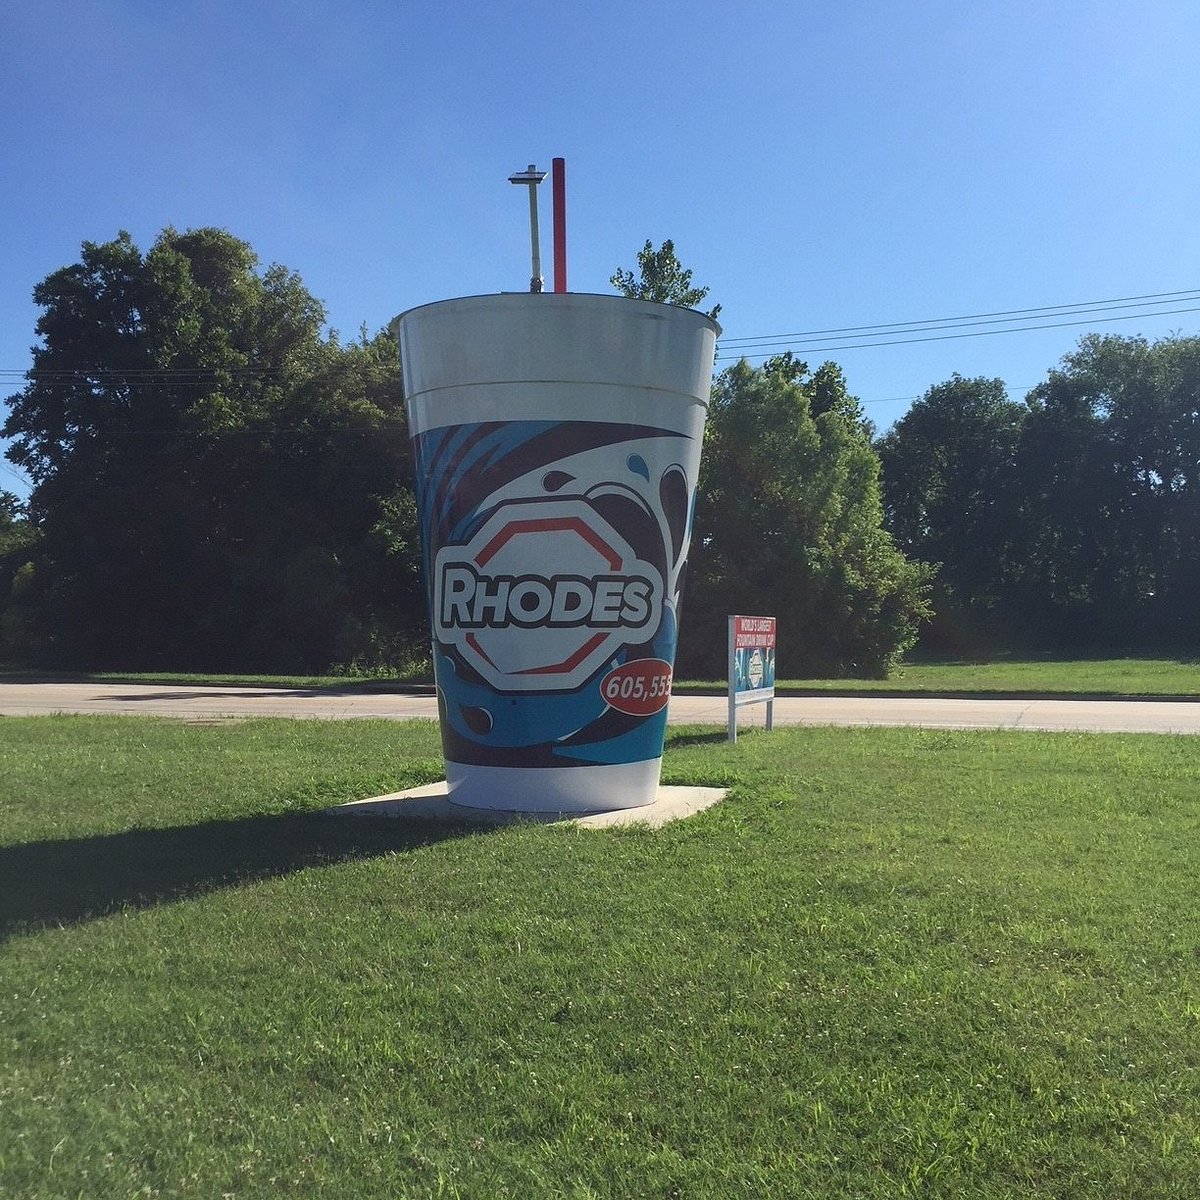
556, 440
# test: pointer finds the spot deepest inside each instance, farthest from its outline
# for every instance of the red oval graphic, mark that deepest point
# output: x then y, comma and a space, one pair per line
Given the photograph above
639, 688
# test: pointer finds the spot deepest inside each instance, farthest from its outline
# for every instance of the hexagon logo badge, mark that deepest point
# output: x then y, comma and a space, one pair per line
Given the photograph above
543, 595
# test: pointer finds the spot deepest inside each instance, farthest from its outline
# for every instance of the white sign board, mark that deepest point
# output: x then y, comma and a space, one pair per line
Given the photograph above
751, 666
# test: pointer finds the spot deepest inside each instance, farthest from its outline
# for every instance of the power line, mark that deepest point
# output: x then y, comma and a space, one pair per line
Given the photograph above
17, 474
947, 337
896, 333
1029, 314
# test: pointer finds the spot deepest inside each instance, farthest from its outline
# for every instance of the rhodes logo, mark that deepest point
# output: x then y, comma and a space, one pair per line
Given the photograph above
543, 595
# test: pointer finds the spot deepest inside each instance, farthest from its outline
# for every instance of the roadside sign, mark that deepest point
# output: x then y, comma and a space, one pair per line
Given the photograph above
751, 666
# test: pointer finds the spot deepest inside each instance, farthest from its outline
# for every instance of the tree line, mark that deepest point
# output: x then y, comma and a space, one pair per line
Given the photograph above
219, 484
1069, 521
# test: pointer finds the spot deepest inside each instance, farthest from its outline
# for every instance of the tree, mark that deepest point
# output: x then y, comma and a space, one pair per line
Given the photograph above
1110, 474
17, 541
16, 534
211, 471
789, 521
1071, 522
788, 517
661, 278
950, 499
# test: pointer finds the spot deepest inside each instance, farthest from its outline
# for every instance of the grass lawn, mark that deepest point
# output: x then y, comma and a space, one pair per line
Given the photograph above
893, 963
419, 676
1045, 677
1034, 677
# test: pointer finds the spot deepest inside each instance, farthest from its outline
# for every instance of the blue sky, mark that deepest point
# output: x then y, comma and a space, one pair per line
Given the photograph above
817, 165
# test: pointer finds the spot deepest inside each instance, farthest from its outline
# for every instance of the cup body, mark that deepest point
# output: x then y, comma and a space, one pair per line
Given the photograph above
556, 441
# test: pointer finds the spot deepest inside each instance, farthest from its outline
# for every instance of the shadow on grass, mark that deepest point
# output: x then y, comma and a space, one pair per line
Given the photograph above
695, 739
66, 882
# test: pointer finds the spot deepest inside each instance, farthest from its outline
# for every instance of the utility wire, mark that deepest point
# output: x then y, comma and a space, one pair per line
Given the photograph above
897, 333
947, 337
1023, 314
16, 473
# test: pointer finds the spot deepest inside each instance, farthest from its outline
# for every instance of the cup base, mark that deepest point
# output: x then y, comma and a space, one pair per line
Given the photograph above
554, 789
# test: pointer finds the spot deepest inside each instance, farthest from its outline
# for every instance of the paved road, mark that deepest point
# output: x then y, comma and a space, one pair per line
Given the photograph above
216, 703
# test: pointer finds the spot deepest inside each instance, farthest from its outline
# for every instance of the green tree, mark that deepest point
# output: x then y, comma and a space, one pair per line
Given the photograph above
210, 469
17, 541
789, 521
1071, 522
1110, 479
16, 534
788, 515
950, 499
662, 278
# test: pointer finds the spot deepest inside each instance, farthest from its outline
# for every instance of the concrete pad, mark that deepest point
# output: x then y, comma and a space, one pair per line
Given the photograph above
431, 803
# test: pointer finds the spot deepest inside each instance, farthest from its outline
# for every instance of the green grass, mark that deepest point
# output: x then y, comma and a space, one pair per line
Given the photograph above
417, 674
1030, 677
1034, 677
892, 963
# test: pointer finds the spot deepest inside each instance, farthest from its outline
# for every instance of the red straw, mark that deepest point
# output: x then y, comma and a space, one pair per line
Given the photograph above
560, 224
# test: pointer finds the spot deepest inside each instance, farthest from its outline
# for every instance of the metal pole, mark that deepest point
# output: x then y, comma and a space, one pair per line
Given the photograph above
731, 669
532, 177
535, 280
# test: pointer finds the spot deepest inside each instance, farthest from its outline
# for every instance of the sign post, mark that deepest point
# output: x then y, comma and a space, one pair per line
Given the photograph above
751, 667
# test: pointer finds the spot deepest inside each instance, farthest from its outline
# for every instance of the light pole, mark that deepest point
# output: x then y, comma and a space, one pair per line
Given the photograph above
531, 176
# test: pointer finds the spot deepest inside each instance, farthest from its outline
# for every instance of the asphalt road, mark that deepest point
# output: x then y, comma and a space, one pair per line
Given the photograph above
218, 703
